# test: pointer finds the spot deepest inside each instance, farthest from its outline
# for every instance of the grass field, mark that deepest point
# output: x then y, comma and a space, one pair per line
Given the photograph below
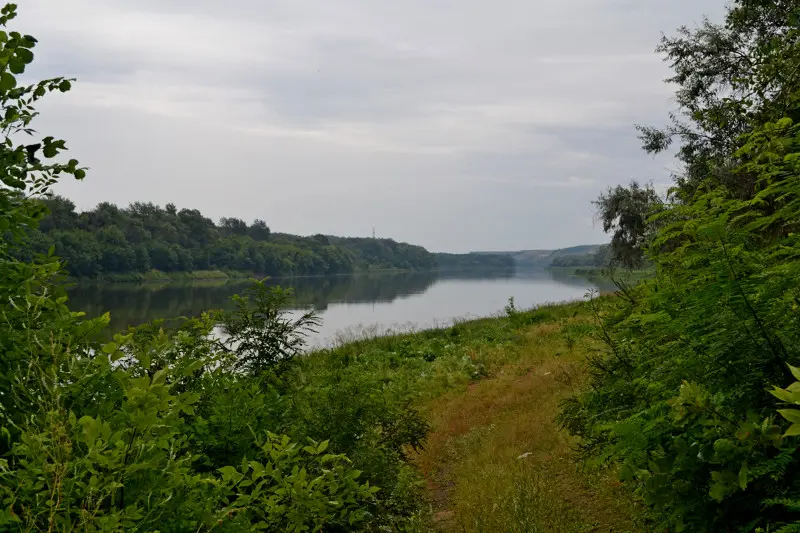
495, 459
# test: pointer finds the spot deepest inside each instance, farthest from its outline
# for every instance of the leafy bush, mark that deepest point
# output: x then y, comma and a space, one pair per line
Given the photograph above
679, 403
260, 333
296, 488
143, 432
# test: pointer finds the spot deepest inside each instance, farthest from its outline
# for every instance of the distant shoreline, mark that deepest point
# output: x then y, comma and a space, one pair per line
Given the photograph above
156, 276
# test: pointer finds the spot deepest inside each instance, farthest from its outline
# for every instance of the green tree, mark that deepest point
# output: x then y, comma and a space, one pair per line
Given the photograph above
233, 226
624, 211
261, 334
680, 401
117, 254
730, 78
259, 230
60, 214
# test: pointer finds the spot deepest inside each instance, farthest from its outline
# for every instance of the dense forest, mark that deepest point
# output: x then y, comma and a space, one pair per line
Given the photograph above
109, 240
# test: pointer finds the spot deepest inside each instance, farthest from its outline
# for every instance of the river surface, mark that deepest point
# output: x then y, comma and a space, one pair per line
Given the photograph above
350, 306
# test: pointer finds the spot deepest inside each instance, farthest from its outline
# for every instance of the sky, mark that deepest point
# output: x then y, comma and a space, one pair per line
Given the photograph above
458, 125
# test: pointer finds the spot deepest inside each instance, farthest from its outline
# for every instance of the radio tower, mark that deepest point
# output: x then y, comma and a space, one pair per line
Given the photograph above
373, 232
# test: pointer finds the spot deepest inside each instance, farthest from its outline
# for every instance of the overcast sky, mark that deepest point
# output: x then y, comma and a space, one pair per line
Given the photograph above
456, 124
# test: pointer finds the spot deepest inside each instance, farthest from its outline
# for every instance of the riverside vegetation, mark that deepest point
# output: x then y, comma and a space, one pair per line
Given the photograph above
147, 242
679, 394
692, 403
174, 430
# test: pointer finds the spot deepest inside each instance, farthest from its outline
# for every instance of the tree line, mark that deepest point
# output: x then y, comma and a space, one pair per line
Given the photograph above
110, 240
601, 258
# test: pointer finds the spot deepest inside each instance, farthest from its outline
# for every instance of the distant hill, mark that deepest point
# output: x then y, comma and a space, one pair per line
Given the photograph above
546, 258
474, 261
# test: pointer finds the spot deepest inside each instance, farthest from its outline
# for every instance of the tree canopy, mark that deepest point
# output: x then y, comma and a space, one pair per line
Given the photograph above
143, 237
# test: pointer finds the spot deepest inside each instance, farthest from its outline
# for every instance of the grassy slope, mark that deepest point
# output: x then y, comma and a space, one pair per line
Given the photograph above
495, 459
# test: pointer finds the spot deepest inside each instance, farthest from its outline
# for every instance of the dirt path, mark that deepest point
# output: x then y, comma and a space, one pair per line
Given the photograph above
497, 461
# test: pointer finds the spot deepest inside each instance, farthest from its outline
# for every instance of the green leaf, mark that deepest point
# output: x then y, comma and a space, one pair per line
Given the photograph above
743, 477
793, 431
795, 372
49, 150
64, 86
781, 394
625, 473
160, 376
7, 81
25, 55
718, 491
792, 415
16, 65
110, 348
228, 472
80, 174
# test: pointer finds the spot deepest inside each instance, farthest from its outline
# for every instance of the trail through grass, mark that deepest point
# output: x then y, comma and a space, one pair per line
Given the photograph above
496, 460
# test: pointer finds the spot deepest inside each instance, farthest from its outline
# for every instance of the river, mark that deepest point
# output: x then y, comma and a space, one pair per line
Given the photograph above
349, 305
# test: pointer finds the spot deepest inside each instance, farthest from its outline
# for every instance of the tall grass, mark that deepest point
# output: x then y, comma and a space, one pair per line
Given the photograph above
496, 460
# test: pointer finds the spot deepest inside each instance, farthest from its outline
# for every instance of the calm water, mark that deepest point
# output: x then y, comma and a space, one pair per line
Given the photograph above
349, 304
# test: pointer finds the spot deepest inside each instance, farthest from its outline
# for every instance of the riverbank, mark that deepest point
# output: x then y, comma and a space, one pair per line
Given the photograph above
494, 459
602, 273
158, 276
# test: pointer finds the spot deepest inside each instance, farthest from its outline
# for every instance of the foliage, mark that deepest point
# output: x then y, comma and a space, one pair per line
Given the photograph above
679, 403
625, 211
262, 335
598, 259
108, 241
382, 253
731, 78
790, 395
125, 435
33, 310
297, 488
472, 261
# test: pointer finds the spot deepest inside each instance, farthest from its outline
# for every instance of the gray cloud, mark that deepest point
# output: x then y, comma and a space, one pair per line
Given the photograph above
454, 124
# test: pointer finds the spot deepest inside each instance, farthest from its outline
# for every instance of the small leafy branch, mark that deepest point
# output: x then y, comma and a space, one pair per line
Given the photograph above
790, 395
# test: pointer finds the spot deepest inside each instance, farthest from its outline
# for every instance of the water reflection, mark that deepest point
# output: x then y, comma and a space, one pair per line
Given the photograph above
385, 299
